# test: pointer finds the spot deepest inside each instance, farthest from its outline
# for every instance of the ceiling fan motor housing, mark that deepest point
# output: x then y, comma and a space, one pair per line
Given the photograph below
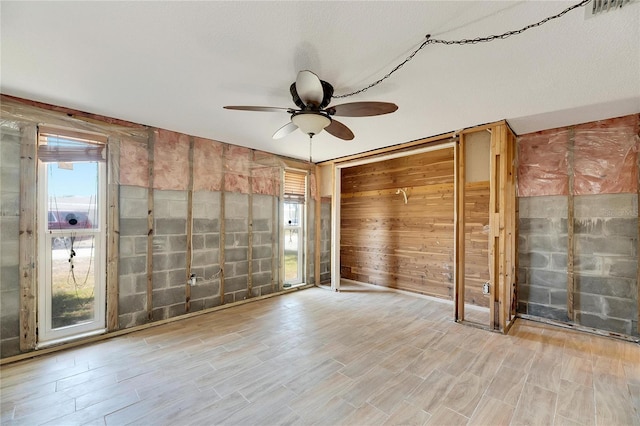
327, 90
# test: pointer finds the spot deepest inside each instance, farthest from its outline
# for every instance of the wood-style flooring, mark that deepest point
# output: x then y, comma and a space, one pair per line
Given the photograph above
359, 357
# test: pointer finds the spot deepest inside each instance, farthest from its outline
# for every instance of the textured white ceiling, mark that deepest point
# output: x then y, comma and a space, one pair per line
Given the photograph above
175, 64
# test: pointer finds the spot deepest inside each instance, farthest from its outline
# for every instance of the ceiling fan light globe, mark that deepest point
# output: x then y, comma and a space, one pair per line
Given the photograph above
311, 124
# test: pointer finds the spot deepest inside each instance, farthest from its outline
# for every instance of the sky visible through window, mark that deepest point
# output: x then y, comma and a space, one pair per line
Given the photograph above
78, 182
75, 179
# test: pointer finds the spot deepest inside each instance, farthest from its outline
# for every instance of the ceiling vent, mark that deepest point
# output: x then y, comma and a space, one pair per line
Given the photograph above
598, 7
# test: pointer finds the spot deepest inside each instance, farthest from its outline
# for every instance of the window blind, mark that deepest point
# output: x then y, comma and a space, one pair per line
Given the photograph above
295, 187
56, 145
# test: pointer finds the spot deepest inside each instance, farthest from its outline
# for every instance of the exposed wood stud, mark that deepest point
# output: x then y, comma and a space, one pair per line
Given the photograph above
250, 229
113, 233
493, 231
570, 230
318, 227
308, 199
222, 223
150, 224
189, 254
275, 236
27, 238
459, 228
638, 209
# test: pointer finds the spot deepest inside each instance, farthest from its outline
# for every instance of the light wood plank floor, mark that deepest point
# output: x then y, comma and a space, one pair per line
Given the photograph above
358, 357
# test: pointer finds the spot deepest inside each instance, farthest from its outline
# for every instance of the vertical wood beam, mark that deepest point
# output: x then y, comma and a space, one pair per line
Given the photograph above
318, 227
459, 227
150, 224
189, 254
493, 228
307, 229
512, 220
250, 229
113, 232
570, 226
27, 237
222, 224
275, 236
504, 302
335, 228
638, 208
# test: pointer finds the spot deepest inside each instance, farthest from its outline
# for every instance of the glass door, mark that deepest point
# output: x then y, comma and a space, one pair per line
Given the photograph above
71, 212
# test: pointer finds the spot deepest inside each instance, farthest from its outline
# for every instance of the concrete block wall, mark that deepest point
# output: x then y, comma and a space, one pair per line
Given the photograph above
132, 269
606, 258
542, 257
9, 244
169, 254
325, 241
236, 247
206, 250
265, 233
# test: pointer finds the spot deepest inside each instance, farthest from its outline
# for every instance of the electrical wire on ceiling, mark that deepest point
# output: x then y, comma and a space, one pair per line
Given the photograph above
476, 40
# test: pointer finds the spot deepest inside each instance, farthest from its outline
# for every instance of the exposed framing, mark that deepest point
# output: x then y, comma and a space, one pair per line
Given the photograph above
502, 216
222, 238
502, 228
570, 230
459, 175
150, 224
307, 228
113, 232
27, 238
189, 251
250, 229
318, 227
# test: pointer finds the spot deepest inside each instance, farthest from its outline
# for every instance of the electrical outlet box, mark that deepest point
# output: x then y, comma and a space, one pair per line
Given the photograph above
192, 279
485, 288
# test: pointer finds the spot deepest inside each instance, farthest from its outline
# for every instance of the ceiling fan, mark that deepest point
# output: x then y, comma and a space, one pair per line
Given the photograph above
313, 96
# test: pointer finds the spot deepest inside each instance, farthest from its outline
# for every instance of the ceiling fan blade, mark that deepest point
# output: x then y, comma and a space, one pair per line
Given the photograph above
285, 130
339, 130
257, 108
309, 88
362, 109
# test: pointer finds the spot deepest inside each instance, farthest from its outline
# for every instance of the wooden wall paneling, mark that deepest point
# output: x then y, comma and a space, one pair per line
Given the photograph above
189, 253
150, 225
570, 229
317, 225
27, 237
388, 242
459, 229
113, 232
